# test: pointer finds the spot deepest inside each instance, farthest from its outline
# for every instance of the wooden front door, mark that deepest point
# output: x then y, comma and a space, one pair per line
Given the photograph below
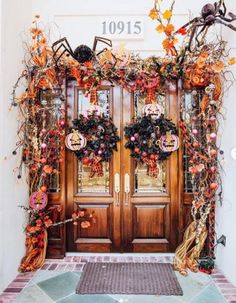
133, 212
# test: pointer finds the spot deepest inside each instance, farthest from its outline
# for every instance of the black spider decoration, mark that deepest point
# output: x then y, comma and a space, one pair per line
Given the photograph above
210, 14
82, 53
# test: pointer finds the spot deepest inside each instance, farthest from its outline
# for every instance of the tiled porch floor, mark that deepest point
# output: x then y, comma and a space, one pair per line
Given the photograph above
57, 279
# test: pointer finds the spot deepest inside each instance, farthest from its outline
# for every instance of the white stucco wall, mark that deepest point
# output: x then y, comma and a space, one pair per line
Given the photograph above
15, 18
79, 21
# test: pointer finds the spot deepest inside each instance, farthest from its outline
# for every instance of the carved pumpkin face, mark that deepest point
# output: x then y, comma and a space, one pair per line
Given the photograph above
75, 141
169, 142
38, 200
94, 110
153, 110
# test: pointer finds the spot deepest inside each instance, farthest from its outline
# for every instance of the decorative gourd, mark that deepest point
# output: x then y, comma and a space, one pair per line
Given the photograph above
153, 109
75, 141
169, 142
38, 200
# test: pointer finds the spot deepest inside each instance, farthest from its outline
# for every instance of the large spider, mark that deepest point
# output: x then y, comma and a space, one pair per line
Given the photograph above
210, 14
82, 53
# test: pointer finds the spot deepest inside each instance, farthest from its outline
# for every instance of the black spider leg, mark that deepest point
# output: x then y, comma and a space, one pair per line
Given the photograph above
231, 19
231, 26
200, 32
66, 47
218, 6
196, 19
101, 39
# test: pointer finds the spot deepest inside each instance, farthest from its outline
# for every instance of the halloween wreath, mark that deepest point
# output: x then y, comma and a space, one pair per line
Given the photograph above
93, 138
151, 138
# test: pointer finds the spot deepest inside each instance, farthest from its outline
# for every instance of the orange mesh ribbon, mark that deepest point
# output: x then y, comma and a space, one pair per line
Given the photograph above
96, 167
152, 167
34, 257
93, 96
151, 95
188, 252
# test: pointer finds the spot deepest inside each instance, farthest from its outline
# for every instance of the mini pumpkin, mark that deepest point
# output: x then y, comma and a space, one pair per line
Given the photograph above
153, 109
75, 141
169, 142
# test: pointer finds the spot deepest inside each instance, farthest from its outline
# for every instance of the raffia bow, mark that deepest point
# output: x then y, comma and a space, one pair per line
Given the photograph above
152, 167
96, 167
34, 258
188, 252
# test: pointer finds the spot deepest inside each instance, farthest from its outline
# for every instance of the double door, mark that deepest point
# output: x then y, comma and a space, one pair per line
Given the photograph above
133, 211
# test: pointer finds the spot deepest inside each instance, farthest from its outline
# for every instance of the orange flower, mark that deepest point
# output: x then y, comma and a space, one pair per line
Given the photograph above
169, 29
167, 14
48, 222
204, 55
47, 169
34, 240
218, 67
81, 213
232, 60
168, 45
160, 28
34, 31
44, 41
85, 224
153, 14
38, 222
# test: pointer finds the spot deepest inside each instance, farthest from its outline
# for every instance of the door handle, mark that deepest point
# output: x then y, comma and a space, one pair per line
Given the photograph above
127, 189
117, 189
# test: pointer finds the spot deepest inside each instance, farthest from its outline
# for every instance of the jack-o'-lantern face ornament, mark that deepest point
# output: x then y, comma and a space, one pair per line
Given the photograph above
154, 110
38, 200
169, 142
75, 141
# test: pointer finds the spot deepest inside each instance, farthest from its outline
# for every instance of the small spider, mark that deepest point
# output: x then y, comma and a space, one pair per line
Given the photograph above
82, 53
210, 14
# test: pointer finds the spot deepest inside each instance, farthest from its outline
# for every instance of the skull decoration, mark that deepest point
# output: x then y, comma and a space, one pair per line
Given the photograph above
169, 142
153, 110
94, 110
75, 141
38, 200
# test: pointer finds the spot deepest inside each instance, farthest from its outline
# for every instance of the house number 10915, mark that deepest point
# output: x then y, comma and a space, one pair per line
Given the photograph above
113, 28
123, 28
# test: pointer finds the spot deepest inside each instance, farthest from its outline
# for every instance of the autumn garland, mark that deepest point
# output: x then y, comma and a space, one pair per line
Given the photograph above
42, 108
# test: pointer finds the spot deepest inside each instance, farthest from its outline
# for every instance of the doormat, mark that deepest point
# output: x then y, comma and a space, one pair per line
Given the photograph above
129, 278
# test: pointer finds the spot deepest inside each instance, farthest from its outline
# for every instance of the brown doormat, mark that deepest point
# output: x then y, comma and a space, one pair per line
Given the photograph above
129, 278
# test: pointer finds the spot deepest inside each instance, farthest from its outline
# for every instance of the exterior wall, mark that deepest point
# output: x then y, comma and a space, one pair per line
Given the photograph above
80, 21
15, 19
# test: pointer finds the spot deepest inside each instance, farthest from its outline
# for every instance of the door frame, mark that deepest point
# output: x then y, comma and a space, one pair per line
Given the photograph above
57, 245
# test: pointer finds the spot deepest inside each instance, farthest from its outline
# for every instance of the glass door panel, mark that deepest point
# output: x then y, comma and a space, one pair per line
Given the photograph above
86, 184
